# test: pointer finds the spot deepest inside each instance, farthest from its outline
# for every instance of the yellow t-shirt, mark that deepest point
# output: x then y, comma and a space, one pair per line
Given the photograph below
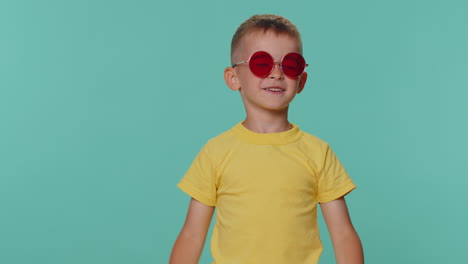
266, 188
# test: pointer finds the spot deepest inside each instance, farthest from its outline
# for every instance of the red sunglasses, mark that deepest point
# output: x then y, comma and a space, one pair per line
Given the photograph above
261, 64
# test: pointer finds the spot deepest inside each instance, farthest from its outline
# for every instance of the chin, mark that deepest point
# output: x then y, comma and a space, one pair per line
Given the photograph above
276, 108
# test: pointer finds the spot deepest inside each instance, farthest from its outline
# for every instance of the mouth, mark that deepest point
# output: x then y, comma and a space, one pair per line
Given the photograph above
275, 90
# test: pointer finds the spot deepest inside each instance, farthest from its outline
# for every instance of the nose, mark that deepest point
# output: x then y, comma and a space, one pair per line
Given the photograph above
276, 72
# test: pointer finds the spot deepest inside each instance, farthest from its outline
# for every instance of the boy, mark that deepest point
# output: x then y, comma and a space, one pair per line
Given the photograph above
265, 176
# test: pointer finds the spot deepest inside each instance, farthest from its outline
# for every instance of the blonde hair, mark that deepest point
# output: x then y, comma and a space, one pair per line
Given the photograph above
278, 24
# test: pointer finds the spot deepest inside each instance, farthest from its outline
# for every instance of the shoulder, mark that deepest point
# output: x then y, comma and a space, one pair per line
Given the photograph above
217, 148
221, 143
313, 141
226, 137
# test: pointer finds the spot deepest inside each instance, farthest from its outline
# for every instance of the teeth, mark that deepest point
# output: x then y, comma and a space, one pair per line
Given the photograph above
274, 89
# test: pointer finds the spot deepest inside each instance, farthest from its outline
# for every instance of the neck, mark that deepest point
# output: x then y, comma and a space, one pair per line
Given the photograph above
268, 122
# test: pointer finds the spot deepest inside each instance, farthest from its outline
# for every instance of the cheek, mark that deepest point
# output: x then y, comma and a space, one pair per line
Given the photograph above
248, 80
293, 83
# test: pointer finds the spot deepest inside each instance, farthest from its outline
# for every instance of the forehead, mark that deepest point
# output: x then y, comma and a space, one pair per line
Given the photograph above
277, 44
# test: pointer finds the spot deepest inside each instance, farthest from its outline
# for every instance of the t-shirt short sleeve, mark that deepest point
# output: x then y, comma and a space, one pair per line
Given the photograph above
200, 180
333, 181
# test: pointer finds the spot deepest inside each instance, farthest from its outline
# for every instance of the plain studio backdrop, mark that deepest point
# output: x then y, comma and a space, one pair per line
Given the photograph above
104, 105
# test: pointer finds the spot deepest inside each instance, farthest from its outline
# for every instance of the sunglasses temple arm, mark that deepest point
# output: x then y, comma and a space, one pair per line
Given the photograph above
239, 63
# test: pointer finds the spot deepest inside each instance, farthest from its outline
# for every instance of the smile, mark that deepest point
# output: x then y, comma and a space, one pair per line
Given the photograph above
274, 89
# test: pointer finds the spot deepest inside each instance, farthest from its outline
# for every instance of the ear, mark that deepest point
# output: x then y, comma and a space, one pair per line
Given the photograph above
302, 82
230, 77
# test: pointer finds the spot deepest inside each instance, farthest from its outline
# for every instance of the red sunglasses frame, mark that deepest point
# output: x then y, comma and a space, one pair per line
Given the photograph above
280, 63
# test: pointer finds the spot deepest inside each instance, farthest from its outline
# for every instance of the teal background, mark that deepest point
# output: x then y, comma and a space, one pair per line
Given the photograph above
104, 105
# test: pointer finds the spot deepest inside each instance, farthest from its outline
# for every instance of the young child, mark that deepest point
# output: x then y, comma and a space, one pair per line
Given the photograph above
265, 176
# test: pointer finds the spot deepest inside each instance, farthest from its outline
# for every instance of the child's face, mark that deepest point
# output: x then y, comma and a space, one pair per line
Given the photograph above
257, 92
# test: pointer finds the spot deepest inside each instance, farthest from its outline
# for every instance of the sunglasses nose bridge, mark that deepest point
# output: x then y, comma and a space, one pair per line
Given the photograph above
277, 70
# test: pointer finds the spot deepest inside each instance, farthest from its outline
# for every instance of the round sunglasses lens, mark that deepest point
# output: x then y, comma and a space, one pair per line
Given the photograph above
293, 64
261, 64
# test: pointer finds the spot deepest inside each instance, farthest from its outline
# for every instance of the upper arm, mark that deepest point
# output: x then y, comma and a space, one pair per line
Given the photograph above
337, 217
198, 219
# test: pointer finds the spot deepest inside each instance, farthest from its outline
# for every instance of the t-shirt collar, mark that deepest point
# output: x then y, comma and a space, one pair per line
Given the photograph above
279, 138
